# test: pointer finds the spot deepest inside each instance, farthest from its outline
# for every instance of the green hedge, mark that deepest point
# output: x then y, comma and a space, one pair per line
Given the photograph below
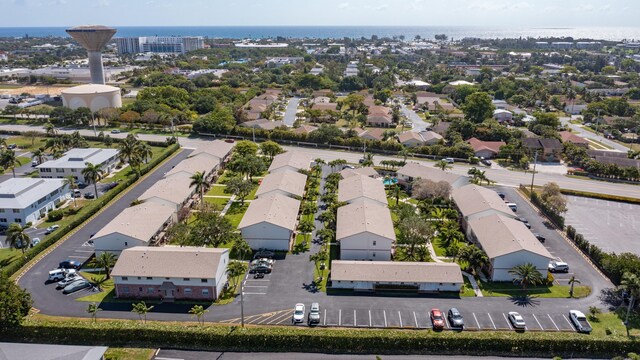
85, 213
624, 199
556, 218
292, 339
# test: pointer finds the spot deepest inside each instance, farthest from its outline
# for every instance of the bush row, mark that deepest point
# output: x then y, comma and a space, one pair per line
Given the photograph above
85, 213
291, 339
86, 137
608, 197
556, 218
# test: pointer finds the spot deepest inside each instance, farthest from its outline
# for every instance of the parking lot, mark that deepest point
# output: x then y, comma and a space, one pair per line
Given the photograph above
414, 319
597, 219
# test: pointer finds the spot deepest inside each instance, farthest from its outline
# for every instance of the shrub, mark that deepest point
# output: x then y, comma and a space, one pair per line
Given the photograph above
55, 215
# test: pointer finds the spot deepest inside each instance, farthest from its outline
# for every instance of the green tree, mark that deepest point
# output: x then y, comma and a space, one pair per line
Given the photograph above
15, 304
317, 259
210, 228
240, 187
630, 283
128, 148
70, 181
326, 235
572, 282
306, 226
93, 309
143, 151
198, 311
443, 165
404, 154
17, 237
368, 160
240, 247
9, 160
92, 174
142, 310
475, 258
246, 147
415, 233
271, 149
478, 107
234, 273
199, 181
105, 260
526, 274
38, 155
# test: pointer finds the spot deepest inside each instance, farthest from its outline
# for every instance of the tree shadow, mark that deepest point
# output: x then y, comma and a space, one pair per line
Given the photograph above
612, 298
311, 287
524, 300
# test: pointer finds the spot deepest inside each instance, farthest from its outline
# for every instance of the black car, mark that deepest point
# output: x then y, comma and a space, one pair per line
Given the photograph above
524, 221
264, 254
455, 318
89, 195
485, 162
540, 237
69, 264
260, 269
502, 195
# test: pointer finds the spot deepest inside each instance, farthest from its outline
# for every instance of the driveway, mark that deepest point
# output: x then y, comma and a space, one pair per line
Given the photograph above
418, 123
292, 109
580, 131
45, 297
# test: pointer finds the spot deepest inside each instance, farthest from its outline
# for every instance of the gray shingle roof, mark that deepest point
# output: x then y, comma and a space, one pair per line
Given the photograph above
472, 199
275, 209
360, 218
357, 187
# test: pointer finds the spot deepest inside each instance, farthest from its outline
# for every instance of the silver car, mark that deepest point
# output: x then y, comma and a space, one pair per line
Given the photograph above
68, 280
517, 320
77, 285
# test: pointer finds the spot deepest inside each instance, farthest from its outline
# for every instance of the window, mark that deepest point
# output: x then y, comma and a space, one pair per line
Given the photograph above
16, 211
374, 243
150, 290
125, 289
205, 291
187, 291
204, 280
18, 220
139, 278
4, 220
374, 254
140, 289
167, 278
186, 279
126, 243
149, 278
125, 278
60, 170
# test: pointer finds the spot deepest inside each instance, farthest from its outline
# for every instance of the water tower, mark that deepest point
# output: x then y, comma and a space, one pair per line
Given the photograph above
93, 38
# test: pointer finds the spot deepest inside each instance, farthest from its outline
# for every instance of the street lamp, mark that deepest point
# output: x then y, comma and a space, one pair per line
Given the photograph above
242, 302
533, 174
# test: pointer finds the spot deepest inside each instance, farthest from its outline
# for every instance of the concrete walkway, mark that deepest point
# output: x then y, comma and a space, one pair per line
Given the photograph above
226, 207
474, 284
291, 113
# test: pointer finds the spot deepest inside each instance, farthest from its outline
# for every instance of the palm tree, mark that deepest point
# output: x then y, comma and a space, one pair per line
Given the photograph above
70, 181
526, 274
93, 309
368, 160
235, 271
93, 173
50, 129
572, 282
142, 309
199, 181
631, 284
106, 260
448, 234
443, 165
317, 259
326, 235
38, 155
98, 281
475, 258
17, 237
306, 226
198, 311
128, 148
144, 151
240, 247
8, 159
404, 153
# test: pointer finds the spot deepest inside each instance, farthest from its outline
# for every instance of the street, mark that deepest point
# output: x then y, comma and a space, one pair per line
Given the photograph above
290, 114
580, 131
418, 123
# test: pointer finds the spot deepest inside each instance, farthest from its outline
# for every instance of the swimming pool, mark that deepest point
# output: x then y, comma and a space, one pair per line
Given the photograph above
391, 181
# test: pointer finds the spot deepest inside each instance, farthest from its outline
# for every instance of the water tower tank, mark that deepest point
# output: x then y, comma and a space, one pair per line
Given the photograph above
93, 38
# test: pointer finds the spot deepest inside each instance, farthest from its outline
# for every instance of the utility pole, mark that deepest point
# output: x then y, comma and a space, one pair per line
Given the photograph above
93, 122
533, 174
253, 130
242, 303
597, 121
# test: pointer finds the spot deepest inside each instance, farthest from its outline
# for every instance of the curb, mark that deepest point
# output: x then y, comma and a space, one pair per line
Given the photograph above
43, 254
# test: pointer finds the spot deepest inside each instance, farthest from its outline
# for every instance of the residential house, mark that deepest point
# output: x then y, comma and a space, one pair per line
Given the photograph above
485, 149
441, 128
475, 202
380, 119
75, 160
503, 116
413, 138
203, 162
270, 222
291, 160
365, 232
358, 189
549, 150
287, 183
304, 129
412, 171
568, 136
175, 191
262, 124
217, 148
24, 200
364, 171
508, 243
373, 134
171, 273
139, 225
423, 277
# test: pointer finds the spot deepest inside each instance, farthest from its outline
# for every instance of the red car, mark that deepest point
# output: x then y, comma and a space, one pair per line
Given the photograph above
437, 319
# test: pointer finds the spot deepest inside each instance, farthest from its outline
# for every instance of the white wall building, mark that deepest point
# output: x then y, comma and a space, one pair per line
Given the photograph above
270, 222
75, 160
24, 200
287, 183
291, 160
174, 191
362, 189
365, 232
475, 202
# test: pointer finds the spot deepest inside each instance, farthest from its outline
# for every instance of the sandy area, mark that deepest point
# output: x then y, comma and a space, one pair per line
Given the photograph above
33, 90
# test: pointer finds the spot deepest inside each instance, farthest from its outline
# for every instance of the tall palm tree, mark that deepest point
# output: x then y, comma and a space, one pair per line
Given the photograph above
142, 309
318, 258
50, 129
144, 151
106, 260
631, 284
475, 258
368, 159
8, 159
93, 173
198, 180
128, 148
198, 311
234, 271
70, 181
572, 282
17, 237
93, 309
443, 165
404, 153
526, 274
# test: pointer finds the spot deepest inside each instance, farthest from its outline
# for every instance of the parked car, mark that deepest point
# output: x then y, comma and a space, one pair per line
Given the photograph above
35, 241
77, 285
57, 275
437, 319
262, 253
298, 313
512, 206
68, 280
264, 269
517, 320
540, 237
12, 146
51, 229
115, 131
449, 160
485, 162
77, 193
263, 261
34, 163
524, 221
361, 160
69, 264
455, 318
558, 266
502, 195
258, 276
110, 185
348, 167
89, 195
314, 314
580, 321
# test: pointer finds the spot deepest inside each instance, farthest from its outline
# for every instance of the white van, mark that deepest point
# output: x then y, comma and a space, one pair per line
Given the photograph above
57, 275
513, 206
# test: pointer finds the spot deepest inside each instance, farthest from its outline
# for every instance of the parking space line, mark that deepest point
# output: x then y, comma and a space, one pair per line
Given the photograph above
570, 324
384, 312
446, 321
554, 323
477, 323
282, 320
258, 286
507, 320
253, 293
494, 324
355, 319
370, 318
400, 316
534, 316
279, 317
415, 318
324, 322
340, 317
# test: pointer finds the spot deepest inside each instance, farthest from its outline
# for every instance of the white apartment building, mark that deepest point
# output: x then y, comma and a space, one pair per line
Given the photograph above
24, 200
75, 160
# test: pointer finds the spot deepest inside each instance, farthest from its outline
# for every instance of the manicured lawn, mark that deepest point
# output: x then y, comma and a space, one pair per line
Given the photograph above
322, 286
128, 354
236, 212
438, 249
218, 201
108, 291
127, 171
252, 194
8, 255
467, 289
217, 191
301, 245
554, 291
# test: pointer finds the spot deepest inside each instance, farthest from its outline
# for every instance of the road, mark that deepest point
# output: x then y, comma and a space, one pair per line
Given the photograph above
500, 175
580, 131
418, 123
290, 114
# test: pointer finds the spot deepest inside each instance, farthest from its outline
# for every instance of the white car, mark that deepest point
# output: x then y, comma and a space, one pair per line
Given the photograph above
298, 313
517, 320
68, 280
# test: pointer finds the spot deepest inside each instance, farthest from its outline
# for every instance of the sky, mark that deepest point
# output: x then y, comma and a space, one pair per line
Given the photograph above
498, 13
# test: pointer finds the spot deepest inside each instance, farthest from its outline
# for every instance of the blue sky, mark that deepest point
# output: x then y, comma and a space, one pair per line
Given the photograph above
500, 13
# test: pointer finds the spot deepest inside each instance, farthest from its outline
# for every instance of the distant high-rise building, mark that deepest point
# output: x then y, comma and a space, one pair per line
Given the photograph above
159, 44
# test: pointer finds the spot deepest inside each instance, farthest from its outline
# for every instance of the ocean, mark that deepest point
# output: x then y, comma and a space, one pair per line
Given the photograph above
338, 32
